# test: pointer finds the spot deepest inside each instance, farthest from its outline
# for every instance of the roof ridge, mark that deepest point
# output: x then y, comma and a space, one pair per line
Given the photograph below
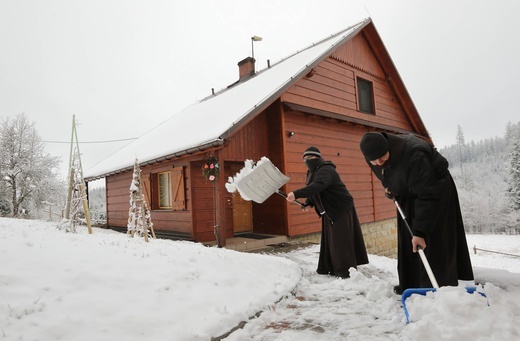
332, 36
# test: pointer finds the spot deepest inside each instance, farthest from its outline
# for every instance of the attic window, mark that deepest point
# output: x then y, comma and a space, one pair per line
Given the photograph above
365, 92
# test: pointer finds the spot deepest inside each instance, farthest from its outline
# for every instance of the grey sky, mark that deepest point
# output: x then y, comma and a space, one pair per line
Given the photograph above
122, 67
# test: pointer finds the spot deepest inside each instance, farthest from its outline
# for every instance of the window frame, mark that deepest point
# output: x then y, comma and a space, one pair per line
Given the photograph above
164, 188
176, 195
365, 101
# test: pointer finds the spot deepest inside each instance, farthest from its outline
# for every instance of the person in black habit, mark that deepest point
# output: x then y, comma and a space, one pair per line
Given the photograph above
414, 173
342, 245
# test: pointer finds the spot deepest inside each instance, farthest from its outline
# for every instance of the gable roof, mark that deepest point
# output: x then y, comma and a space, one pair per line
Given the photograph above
208, 122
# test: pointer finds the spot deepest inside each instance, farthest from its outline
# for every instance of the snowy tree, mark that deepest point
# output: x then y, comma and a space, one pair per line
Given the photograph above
460, 144
482, 187
514, 185
5, 207
514, 169
25, 167
139, 217
97, 204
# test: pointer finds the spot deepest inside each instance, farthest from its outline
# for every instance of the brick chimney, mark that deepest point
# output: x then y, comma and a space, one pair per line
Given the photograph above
246, 68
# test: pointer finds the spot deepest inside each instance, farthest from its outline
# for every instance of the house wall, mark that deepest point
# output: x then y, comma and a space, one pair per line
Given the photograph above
204, 195
331, 88
262, 136
256, 139
118, 196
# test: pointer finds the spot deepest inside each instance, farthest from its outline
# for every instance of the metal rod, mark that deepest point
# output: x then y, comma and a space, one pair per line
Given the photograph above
419, 248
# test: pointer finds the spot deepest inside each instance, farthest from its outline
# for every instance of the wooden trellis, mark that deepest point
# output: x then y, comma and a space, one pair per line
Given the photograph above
139, 218
77, 194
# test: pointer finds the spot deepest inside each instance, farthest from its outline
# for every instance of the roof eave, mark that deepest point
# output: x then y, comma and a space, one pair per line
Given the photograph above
174, 155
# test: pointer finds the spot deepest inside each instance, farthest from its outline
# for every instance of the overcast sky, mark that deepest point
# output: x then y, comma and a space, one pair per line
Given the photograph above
124, 66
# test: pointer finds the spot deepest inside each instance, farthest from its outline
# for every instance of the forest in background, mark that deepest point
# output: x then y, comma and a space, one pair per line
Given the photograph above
487, 175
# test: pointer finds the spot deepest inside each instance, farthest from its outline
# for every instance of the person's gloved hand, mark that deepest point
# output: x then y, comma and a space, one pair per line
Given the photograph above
306, 206
388, 194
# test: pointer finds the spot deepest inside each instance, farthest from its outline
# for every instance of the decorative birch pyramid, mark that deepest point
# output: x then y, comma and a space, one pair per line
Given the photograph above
77, 193
139, 218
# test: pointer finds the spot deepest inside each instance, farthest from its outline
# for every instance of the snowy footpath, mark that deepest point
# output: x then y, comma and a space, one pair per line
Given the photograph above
364, 307
106, 286
320, 307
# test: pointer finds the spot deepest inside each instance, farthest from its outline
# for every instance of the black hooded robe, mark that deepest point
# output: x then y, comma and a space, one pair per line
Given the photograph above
342, 244
419, 178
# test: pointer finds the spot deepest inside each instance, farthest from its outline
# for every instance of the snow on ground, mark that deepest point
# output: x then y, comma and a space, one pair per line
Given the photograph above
107, 286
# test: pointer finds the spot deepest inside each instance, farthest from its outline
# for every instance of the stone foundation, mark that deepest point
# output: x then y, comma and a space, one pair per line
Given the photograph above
380, 237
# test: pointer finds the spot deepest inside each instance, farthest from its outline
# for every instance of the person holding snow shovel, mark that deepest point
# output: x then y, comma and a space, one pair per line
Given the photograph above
416, 175
342, 244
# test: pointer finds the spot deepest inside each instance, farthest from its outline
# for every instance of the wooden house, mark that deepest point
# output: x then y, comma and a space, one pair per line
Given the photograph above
327, 95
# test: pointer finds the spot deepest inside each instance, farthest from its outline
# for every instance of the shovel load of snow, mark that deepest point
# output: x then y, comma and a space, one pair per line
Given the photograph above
231, 184
257, 181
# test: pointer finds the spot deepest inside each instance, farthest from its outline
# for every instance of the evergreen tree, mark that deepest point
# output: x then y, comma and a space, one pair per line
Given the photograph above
461, 149
514, 170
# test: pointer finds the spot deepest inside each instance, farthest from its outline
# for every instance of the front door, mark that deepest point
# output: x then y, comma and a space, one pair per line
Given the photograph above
242, 209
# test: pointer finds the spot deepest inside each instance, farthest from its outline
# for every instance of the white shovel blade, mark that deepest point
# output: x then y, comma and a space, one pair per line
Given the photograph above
263, 181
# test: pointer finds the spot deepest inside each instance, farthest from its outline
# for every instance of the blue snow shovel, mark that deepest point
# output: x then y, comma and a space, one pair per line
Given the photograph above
422, 291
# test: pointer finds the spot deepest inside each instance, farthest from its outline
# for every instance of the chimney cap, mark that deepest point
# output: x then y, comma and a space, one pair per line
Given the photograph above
246, 60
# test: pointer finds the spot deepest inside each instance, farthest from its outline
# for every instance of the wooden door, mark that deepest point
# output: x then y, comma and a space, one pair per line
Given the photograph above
242, 214
242, 209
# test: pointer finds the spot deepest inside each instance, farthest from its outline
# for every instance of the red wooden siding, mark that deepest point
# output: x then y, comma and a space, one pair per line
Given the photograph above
260, 137
204, 194
339, 143
118, 200
332, 87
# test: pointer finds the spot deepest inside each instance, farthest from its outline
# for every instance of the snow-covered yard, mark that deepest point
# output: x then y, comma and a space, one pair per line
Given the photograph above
106, 286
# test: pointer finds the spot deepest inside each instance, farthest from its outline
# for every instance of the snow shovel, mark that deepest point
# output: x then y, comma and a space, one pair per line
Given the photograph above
262, 182
421, 291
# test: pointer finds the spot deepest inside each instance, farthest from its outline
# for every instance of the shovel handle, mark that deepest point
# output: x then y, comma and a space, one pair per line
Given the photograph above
285, 196
424, 260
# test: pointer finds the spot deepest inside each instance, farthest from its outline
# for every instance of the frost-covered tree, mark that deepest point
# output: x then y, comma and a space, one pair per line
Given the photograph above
514, 172
5, 206
482, 187
460, 144
514, 184
25, 167
97, 204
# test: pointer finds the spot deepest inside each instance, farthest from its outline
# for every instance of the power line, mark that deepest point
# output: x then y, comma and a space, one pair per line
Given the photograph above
106, 141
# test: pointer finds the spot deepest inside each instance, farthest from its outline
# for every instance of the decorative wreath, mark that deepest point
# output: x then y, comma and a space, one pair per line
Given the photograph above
210, 169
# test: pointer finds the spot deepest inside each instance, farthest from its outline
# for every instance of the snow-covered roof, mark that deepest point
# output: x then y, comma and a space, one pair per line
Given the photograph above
208, 122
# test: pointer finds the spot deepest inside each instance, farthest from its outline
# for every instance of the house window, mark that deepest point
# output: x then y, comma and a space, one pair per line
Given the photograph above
168, 190
164, 190
365, 96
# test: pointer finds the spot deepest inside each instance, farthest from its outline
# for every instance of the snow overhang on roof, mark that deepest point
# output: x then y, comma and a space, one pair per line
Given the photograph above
207, 123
